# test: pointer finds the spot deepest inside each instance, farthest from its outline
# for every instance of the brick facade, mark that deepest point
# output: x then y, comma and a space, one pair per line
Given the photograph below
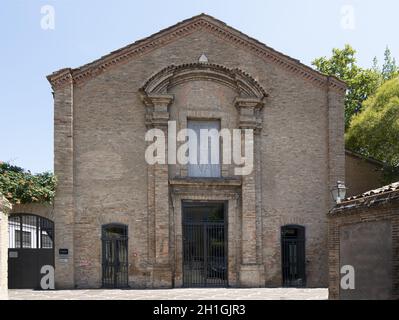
361, 174
102, 112
364, 232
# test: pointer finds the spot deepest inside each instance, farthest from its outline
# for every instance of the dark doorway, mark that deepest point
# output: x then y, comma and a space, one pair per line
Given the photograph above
30, 247
115, 256
293, 256
204, 244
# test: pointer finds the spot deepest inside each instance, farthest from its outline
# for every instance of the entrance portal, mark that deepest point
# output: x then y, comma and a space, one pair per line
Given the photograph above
293, 256
115, 262
31, 246
204, 244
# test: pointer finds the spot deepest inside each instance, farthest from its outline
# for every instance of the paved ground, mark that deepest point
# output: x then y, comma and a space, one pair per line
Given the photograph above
173, 294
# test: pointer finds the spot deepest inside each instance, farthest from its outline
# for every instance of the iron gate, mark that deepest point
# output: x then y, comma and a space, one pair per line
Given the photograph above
204, 246
115, 256
30, 247
293, 256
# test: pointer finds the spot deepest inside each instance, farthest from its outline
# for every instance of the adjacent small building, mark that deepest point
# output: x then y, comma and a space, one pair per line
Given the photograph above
361, 173
5, 207
363, 233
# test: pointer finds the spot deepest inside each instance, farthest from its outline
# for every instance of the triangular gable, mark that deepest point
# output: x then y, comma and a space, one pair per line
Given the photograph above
181, 29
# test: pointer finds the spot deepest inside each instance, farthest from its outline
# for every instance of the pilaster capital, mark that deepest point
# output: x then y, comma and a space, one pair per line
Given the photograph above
249, 113
158, 109
160, 100
249, 103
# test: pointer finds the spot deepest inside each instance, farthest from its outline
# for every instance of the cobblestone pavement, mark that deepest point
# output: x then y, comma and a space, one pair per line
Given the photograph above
173, 294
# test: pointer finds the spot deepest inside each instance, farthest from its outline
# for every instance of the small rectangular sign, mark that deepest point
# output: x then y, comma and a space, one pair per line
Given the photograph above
13, 254
63, 252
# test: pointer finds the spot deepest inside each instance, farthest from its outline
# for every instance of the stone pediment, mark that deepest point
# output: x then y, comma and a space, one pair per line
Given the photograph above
182, 29
157, 98
240, 81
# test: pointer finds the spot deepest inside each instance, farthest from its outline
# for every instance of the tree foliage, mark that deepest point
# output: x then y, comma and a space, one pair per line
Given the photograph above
20, 186
375, 131
389, 68
371, 105
361, 83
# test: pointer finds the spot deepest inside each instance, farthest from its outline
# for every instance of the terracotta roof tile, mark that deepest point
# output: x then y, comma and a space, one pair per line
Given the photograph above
380, 195
389, 188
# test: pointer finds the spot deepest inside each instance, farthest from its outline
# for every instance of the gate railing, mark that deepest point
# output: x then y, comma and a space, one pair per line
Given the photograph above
293, 256
115, 256
30, 247
204, 254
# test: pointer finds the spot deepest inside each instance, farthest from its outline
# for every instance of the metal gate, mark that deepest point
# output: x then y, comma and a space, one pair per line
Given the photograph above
293, 256
115, 256
30, 247
204, 245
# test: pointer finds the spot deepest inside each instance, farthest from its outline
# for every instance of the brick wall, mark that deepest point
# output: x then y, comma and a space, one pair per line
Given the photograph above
103, 177
361, 174
375, 256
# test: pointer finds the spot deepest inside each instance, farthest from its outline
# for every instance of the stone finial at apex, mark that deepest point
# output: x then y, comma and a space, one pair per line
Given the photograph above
203, 58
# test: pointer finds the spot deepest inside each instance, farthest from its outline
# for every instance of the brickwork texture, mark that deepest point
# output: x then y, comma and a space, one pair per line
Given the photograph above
103, 110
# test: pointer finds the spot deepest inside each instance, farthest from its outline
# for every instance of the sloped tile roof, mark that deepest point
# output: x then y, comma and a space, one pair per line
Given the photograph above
385, 194
389, 188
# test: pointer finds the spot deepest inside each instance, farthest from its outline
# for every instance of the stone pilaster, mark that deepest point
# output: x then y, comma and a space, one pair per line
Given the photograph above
63, 169
5, 207
251, 270
162, 271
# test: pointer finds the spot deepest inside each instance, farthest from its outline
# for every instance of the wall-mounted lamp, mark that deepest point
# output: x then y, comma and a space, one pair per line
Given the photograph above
338, 192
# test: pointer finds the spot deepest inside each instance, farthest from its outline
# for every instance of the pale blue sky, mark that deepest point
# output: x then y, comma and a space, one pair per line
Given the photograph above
87, 29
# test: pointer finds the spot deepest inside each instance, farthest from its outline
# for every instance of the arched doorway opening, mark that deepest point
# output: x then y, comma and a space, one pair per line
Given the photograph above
30, 248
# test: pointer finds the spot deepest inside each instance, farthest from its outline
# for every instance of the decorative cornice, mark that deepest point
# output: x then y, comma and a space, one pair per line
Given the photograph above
240, 81
182, 29
206, 182
61, 78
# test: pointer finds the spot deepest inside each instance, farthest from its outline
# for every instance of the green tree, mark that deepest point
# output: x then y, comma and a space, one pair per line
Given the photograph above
389, 68
20, 186
375, 131
361, 83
